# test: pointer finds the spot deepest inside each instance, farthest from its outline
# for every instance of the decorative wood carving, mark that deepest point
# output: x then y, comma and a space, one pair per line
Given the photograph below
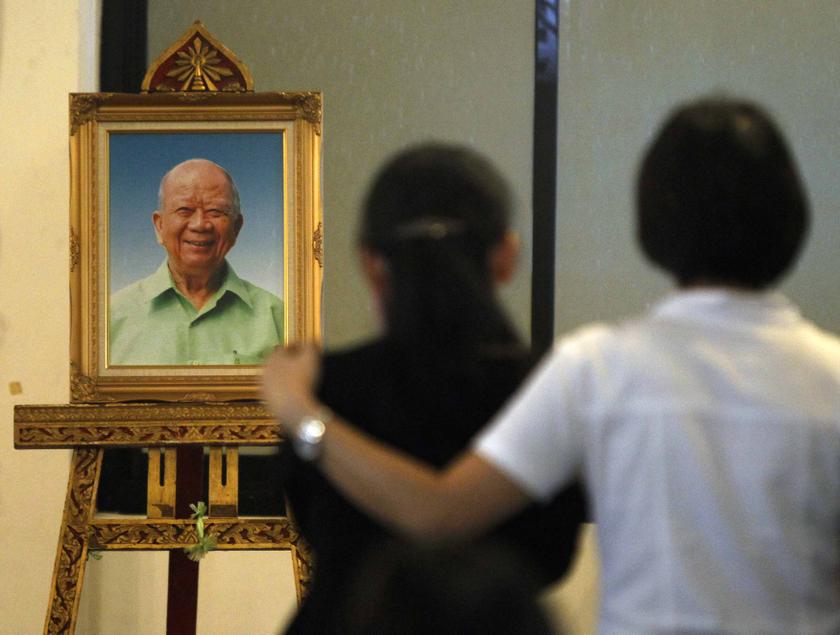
114, 435
144, 425
318, 244
268, 534
73, 541
83, 108
122, 535
302, 563
310, 107
75, 251
82, 387
198, 62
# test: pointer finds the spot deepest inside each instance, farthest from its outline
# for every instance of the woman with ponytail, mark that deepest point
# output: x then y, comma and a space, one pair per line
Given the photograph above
435, 242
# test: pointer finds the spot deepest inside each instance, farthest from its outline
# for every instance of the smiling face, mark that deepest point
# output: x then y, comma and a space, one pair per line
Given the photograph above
197, 222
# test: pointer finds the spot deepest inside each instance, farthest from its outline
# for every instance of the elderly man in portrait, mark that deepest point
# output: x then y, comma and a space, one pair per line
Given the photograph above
194, 309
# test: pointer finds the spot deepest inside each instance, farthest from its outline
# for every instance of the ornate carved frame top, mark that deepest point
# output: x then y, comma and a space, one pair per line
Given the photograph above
198, 62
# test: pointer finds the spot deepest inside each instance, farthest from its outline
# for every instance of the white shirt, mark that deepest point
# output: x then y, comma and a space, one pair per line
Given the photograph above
708, 434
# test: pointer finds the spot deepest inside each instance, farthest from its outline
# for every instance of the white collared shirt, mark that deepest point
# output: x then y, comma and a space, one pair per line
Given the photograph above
708, 435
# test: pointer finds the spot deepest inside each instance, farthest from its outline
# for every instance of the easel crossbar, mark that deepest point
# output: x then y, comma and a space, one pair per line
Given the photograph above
143, 425
163, 534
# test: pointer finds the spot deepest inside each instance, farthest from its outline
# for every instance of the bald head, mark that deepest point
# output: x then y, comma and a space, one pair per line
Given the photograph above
201, 166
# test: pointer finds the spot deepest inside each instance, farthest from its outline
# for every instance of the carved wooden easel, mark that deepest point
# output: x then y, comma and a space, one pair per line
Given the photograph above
89, 429
195, 70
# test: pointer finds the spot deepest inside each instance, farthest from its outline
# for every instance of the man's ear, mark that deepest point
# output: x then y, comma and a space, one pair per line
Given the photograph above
503, 257
375, 269
157, 221
237, 225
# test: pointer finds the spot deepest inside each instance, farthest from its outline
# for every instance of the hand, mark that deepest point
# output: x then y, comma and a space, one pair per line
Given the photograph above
288, 382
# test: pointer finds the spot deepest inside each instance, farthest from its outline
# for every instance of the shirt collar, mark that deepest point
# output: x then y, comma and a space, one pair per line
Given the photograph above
161, 281
158, 283
718, 303
236, 285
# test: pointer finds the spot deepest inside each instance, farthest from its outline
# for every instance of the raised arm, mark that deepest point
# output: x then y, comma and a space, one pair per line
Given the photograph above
466, 498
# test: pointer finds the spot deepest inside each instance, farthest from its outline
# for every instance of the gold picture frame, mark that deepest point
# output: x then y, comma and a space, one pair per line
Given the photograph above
117, 141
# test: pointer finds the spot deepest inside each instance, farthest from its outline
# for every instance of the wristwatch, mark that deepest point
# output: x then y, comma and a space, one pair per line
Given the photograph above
308, 435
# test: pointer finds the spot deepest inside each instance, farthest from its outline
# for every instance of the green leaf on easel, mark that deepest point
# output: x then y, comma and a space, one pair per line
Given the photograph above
206, 542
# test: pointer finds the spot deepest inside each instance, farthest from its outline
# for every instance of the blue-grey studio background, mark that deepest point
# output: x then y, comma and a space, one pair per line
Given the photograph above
139, 160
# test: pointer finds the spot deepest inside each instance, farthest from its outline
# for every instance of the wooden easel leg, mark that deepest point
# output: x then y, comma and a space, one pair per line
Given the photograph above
302, 560
302, 568
73, 542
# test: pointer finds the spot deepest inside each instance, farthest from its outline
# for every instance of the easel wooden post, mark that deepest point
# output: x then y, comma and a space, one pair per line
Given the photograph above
89, 429
182, 594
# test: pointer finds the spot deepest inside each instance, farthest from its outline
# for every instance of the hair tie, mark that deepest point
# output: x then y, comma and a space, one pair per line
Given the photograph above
429, 227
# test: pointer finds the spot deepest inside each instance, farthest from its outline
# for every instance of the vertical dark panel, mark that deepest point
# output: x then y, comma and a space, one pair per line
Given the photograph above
122, 62
544, 174
122, 66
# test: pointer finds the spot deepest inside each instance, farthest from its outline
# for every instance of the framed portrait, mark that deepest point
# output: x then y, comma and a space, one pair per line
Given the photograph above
196, 240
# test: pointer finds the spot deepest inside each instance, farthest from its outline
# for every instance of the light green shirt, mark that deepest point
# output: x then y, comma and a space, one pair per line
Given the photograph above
152, 323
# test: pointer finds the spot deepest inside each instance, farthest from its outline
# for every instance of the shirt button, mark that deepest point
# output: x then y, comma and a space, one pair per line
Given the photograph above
194, 363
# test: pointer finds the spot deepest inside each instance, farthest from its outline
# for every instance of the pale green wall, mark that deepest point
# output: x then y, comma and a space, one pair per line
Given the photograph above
623, 65
392, 73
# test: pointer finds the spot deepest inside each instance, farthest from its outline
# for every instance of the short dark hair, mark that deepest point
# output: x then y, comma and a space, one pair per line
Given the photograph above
719, 197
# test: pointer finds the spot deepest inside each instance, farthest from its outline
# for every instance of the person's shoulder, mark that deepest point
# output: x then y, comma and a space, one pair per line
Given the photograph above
821, 345
826, 338
247, 291
129, 298
140, 293
261, 297
587, 338
591, 348
364, 358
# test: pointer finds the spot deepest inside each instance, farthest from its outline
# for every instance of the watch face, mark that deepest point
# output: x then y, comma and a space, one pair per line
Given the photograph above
311, 430
308, 437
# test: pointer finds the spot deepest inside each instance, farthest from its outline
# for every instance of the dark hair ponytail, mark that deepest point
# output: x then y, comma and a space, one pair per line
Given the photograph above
434, 213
